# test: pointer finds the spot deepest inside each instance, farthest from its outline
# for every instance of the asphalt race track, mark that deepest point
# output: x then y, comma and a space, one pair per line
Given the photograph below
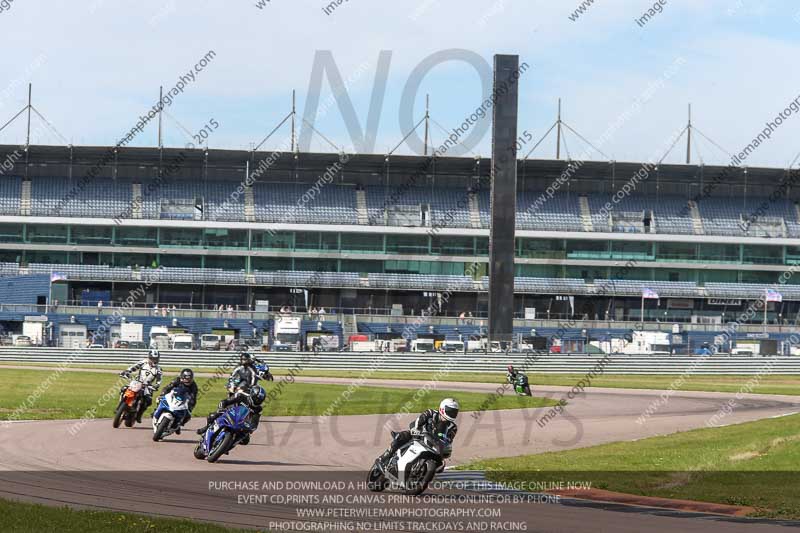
124, 470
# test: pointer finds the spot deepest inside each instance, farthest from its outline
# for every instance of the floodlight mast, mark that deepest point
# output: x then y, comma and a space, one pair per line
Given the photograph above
503, 200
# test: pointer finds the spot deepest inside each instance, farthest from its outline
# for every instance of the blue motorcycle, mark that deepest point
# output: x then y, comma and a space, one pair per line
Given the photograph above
262, 371
228, 430
172, 410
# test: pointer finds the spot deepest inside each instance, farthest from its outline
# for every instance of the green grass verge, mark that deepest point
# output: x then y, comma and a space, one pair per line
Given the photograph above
755, 464
768, 384
33, 518
71, 394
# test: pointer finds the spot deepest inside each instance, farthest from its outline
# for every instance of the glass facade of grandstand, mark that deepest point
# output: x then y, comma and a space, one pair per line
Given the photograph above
375, 232
260, 250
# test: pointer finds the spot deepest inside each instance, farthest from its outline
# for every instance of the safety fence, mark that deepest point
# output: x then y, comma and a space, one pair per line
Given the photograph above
422, 362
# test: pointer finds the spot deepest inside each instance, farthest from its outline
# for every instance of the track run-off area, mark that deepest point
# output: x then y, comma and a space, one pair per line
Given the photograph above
124, 470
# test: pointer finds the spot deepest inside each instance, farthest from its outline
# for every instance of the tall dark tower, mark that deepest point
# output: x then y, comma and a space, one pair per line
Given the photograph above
504, 199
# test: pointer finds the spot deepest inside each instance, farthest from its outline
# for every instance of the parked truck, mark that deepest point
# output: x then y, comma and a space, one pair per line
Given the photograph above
183, 341
210, 341
34, 330
422, 345
131, 332
648, 343
159, 337
286, 336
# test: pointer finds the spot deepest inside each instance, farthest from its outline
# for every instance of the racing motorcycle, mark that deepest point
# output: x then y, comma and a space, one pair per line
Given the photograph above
520, 383
130, 401
168, 417
262, 371
229, 429
412, 468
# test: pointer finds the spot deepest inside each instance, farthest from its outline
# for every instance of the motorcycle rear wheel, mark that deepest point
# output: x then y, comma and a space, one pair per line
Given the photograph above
217, 451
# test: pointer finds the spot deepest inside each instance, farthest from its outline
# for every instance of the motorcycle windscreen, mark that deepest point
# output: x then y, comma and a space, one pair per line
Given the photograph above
236, 418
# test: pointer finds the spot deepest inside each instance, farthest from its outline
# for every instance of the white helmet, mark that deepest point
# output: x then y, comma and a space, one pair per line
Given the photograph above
448, 409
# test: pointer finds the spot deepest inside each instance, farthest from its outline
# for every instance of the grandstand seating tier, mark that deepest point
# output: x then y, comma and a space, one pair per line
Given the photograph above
333, 203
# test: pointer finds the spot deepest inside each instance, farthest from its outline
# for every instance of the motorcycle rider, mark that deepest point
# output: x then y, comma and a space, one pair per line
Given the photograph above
244, 376
442, 422
512, 375
518, 381
150, 375
186, 387
251, 398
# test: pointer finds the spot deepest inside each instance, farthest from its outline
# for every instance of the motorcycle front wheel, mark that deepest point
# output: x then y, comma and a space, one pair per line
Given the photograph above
423, 480
161, 428
198, 451
376, 482
528, 390
222, 447
118, 415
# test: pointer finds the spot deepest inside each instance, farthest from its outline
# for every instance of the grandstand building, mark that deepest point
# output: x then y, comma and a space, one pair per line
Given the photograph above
366, 232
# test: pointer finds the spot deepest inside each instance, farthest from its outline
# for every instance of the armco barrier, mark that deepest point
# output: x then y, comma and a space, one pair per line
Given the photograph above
547, 363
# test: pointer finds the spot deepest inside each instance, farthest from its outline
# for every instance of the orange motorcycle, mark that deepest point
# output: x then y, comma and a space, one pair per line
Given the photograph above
130, 401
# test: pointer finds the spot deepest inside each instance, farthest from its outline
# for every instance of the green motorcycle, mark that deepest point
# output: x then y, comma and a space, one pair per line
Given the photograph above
519, 381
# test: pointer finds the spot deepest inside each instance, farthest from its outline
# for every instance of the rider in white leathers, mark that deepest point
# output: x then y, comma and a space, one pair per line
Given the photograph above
149, 374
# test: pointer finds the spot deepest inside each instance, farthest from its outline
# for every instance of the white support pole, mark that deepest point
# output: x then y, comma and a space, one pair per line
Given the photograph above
766, 293
641, 317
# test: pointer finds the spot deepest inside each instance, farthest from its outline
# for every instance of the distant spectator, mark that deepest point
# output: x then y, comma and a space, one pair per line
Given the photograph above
155, 310
99, 306
321, 313
164, 311
313, 312
462, 318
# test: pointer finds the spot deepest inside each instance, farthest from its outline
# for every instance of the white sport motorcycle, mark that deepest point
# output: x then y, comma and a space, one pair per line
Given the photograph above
412, 468
168, 417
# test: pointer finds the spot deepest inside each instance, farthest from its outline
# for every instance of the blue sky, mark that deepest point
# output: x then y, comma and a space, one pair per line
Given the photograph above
96, 66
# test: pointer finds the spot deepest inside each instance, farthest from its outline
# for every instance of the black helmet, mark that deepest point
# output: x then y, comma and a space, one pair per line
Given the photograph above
258, 394
245, 359
187, 376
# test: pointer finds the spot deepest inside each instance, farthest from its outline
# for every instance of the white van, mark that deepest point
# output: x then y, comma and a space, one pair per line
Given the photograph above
210, 341
183, 341
422, 345
452, 347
